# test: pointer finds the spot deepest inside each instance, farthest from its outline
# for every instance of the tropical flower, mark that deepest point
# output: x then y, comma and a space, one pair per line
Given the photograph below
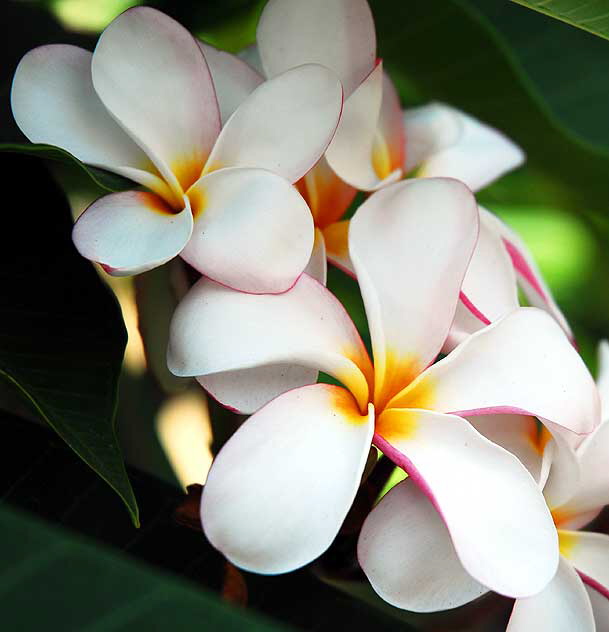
143, 105
375, 143
411, 562
280, 488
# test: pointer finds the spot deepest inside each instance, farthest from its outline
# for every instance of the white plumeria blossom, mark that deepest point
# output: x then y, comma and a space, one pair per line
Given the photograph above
143, 105
280, 488
576, 486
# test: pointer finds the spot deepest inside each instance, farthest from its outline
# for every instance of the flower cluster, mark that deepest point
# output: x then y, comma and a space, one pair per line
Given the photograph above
246, 167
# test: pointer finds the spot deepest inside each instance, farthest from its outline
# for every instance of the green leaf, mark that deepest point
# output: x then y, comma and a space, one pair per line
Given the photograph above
52, 578
104, 179
591, 16
62, 336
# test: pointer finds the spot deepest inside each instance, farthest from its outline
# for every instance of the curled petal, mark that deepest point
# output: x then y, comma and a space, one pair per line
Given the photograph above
299, 458
498, 520
287, 122
305, 326
410, 245
339, 35
498, 369
253, 231
131, 232
444, 142
406, 552
317, 266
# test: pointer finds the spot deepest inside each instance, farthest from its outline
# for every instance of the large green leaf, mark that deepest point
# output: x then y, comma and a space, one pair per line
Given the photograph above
51, 579
592, 16
62, 336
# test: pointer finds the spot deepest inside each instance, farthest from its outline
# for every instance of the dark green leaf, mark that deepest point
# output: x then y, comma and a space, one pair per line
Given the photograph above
104, 179
592, 16
51, 579
62, 336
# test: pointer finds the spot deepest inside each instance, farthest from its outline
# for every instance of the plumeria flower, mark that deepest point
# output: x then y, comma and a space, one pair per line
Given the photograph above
501, 263
431, 577
280, 488
376, 143
143, 105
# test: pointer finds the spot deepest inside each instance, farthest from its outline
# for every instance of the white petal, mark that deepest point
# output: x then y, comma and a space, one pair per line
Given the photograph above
563, 606
253, 231
234, 80
521, 364
498, 520
356, 154
216, 329
600, 607
406, 552
284, 125
151, 75
445, 142
53, 102
317, 266
589, 554
131, 232
281, 487
565, 471
529, 275
339, 35
410, 245
602, 380
247, 390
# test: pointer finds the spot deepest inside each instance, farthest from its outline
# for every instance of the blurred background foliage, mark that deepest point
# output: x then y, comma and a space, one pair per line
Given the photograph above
541, 81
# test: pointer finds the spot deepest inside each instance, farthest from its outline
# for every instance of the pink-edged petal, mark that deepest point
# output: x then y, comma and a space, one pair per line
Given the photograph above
593, 488
336, 237
499, 523
529, 276
405, 550
279, 490
326, 194
562, 606
357, 153
317, 266
234, 79
339, 35
443, 141
131, 232
287, 123
410, 245
150, 74
519, 435
217, 329
589, 554
247, 390
53, 102
253, 231
490, 283
600, 608
602, 381
522, 364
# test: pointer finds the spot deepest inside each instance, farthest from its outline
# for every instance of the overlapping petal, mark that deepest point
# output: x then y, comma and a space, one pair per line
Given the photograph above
216, 329
287, 122
602, 381
600, 607
317, 266
253, 231
131, 232
410, 245
442, 141
336, 238
234, 79
357, 153
53, 101
589, 554
498, 369
320, 444
152, 77
407, 554
562, 606
339, 35
511, 545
